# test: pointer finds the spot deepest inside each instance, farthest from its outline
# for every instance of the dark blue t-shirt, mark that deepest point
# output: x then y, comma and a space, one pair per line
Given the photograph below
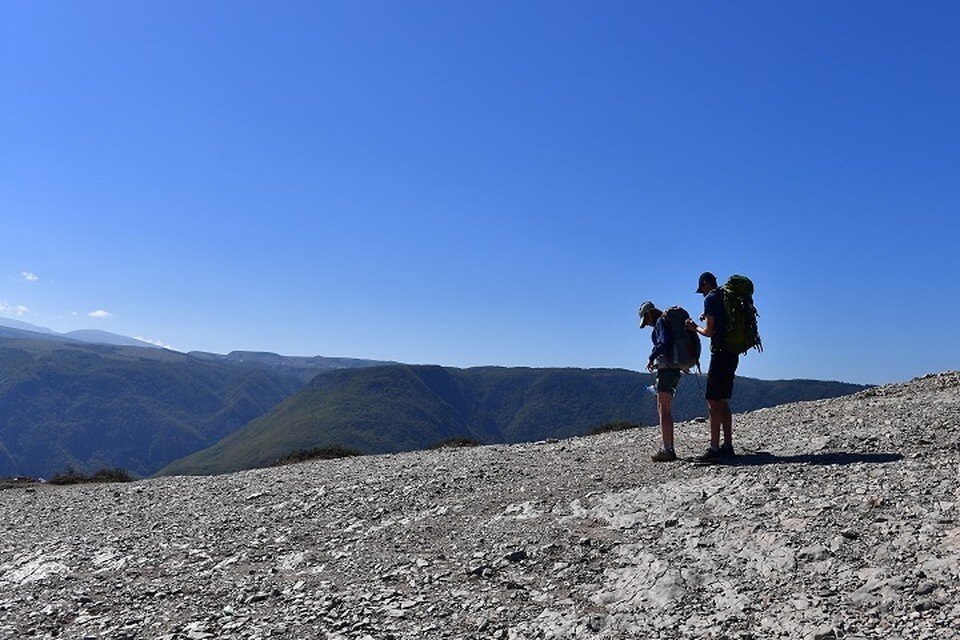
713, 306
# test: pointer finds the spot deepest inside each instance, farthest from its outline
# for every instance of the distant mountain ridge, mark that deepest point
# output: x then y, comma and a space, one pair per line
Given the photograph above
306, 367
23, 326
90, 336
407, 407
96, 336
67, 403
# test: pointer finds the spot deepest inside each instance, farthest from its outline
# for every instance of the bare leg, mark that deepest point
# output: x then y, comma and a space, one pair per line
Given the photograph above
716, 420
664, 408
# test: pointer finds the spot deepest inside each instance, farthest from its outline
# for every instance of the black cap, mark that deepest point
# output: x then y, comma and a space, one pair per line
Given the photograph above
706, 278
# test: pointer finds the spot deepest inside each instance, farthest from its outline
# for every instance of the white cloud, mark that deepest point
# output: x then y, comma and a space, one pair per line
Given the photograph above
17, 310
28, 276
100, 313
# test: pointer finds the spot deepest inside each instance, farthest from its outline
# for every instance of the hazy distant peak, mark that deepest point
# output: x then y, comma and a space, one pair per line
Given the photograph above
23, 326
97, 336
93, 336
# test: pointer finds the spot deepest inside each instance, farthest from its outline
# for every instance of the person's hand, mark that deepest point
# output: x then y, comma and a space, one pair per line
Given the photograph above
691, 324
650, 366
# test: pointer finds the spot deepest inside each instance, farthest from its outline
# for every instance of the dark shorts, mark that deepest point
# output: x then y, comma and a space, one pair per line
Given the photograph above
723, 368
667, 380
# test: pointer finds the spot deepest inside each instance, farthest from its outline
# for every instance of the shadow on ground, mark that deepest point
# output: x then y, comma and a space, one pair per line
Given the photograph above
757, 458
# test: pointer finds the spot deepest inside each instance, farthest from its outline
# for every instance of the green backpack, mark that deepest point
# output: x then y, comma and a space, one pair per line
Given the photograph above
742, 334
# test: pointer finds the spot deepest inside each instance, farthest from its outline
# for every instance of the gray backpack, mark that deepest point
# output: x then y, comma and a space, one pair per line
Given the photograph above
686, 342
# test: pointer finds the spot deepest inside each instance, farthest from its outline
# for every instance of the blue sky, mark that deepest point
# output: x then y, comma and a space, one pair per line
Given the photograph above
470, 183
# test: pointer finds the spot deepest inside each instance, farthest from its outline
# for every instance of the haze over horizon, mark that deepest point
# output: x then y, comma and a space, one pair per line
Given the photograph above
470, 184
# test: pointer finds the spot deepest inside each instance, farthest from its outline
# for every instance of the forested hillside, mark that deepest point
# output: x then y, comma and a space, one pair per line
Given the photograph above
401, 408
89, 406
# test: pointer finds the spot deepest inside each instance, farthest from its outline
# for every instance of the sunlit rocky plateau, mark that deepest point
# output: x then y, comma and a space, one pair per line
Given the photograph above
838, 519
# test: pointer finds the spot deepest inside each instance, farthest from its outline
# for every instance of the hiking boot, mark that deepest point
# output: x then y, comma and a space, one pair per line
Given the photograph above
726, 451
664, 455
711, 455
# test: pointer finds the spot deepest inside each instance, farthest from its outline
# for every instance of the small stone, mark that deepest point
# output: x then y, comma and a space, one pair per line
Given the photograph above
483, 571
595, 623
814, 553
517, 556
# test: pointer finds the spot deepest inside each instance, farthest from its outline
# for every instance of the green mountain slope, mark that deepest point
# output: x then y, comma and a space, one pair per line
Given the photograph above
398, 408
69, 403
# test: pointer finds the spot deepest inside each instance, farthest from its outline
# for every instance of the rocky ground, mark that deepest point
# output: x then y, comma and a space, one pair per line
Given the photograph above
838, 520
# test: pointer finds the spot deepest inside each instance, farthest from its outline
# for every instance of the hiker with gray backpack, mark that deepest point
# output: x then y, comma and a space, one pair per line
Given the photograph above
731, 324
675, 350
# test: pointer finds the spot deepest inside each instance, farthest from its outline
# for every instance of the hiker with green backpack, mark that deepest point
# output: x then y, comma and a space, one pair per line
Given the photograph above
675, 349
731, 324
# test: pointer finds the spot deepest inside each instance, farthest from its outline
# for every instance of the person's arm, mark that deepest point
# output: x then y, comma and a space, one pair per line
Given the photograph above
660, 346
710, 309
707, 330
